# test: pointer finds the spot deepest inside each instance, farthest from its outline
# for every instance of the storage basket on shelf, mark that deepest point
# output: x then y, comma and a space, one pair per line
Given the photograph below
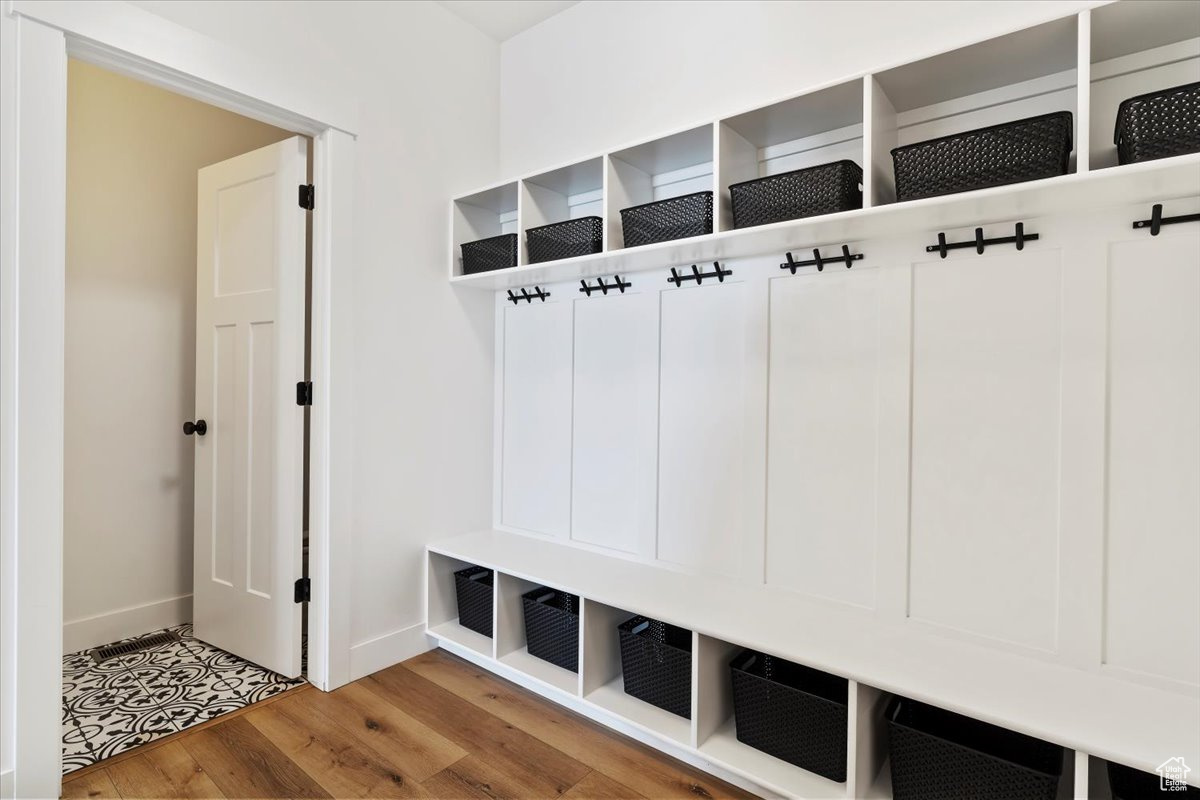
473, 586
664, 220
1012, 152
792, 712
485, 255
552, 626
937, 753
1128, 783
575, 237
1159, 124
808, 192
656, 663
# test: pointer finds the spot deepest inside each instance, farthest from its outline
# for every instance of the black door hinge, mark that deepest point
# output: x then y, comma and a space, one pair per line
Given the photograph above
304, 393
303, 590
306, 196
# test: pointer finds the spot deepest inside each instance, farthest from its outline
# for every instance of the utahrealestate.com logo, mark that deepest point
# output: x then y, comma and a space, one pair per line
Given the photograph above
1172, 775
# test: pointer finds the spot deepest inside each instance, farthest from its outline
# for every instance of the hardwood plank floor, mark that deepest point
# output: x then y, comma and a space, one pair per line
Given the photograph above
433, 727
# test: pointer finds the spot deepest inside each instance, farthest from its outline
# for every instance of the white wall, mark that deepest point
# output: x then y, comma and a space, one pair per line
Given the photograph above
132, 155
605, 73
421, 377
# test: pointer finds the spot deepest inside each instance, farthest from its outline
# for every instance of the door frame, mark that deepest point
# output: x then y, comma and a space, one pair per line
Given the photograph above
36, 39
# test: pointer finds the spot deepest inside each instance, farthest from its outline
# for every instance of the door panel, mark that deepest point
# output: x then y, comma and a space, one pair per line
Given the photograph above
250, 268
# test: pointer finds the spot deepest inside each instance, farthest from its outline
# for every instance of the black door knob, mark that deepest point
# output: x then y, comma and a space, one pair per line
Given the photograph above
199, 427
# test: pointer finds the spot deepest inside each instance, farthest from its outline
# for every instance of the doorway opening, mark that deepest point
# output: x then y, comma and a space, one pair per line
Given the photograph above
185, 448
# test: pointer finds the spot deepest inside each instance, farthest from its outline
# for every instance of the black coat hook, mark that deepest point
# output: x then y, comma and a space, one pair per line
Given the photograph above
1019, 238
720, 274
603, 287
527, 295
820, 262
1157, 220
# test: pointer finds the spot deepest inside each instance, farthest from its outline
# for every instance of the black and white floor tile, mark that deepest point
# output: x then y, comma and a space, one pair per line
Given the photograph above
135, 699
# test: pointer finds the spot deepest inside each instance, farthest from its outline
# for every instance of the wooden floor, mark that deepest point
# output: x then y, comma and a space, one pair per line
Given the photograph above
434, 727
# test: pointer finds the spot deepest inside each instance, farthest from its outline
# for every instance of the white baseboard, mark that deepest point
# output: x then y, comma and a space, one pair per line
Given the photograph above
80, 634
383, 651
6, 785
590, 711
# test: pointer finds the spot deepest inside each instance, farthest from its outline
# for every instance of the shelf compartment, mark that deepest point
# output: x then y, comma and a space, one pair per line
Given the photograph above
488, 213
442, 605
603, 682
716, 729
571, 192
1011, 77
1136, 48
672, 166
817, 128
510, 636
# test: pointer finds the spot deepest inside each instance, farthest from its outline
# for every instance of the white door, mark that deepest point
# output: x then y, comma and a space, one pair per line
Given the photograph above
250, 264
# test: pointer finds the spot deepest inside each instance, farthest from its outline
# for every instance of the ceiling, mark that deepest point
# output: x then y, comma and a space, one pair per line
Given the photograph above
503, 19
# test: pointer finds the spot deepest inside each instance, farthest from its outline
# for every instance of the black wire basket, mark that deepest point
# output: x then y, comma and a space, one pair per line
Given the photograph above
656, 663
485, 255
1024, 150
664, 220
940, 754
792, 712
575, 237
823, 189
1159, 124
552, 626
1128, 783
473, 586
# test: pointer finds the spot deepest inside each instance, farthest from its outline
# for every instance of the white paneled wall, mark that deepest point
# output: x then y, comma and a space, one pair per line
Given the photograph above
1153, 504
823, 434
914, 438
986, 378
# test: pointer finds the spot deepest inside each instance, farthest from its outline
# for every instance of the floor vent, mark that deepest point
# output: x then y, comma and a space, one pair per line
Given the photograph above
102, 654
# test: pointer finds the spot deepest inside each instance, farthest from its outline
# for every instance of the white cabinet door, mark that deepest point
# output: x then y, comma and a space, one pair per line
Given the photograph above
1152, 541
823, 434
536, 437
705, 379
249, 356
615, 421
986, 412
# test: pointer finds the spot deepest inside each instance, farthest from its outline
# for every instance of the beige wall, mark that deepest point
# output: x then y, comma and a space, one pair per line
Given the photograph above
132, 155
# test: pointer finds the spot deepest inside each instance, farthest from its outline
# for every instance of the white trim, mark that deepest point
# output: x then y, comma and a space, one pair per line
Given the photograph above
383, 651
6, 785
80, 634
32, 272
123, 37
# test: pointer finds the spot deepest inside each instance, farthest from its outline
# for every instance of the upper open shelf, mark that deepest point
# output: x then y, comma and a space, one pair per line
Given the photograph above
1085, 64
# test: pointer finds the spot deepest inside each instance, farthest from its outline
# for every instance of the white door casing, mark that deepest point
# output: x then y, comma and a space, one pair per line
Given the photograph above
250, 269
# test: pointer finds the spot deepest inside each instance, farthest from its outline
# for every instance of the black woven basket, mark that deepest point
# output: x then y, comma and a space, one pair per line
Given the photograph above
1024, 150
664, 220
575, 237
1159, 124
473, 586
792, 712
939, 754
1128, 783
485, 255
552, 626
656, 662
801, 193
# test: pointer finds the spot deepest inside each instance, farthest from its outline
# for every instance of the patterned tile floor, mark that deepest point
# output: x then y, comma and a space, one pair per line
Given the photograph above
134, 699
